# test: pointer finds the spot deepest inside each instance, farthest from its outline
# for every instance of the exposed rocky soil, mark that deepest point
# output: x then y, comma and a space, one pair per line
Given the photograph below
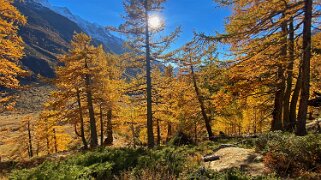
235, 157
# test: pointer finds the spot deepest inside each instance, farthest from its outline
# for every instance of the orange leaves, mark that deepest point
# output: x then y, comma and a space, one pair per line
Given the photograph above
221, 100
86, 68
11, 50
7, 103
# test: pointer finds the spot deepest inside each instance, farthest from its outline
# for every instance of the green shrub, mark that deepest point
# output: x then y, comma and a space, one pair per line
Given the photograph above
168, 158
247, 143
181, 139
99, 164
231, 174
291, 155
108, 163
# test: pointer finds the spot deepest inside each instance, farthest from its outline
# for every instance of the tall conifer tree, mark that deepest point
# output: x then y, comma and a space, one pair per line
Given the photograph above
144, 44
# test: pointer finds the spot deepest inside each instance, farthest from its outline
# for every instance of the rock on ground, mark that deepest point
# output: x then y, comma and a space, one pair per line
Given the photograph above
235, 157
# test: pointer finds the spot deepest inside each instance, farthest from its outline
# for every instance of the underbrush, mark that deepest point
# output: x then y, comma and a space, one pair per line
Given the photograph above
108, 163
231, 174
168, 162
292, 156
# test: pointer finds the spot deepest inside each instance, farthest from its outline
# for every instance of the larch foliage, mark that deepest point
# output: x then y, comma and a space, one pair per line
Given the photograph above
22, 142
269, 39
146, 45
88, 90
50, 134
191, 57
11, 51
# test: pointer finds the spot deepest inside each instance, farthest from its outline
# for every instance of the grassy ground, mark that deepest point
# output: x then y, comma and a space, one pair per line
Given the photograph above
283, 154
28, 104
166, 162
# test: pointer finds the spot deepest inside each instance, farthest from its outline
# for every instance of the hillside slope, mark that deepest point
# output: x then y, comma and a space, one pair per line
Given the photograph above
47, 34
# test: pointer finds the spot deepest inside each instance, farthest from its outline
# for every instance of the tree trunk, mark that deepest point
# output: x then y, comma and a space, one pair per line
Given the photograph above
158, 133
101, 125
38, 147
93, 129
294, 100
255, 122
82, 129
150, 133
306, 46
47, 143
169, 131
55, 140
169, 74
109, 140
47, 138
30, 141
195, 132
261, 122
132, 127
200, 100
278, 101
280, 86
286, 106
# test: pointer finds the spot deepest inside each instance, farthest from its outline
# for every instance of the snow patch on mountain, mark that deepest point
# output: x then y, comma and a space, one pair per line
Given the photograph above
42, 2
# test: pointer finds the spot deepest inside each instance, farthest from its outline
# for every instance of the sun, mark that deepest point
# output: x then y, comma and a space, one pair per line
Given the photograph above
155, 21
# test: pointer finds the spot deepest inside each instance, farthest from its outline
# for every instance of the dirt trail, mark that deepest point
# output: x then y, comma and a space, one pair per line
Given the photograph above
235, 157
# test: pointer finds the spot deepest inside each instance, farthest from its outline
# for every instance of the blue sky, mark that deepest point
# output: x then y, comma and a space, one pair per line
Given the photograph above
192, 15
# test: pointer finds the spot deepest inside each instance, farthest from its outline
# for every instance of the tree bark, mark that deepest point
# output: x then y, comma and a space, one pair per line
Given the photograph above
255, 122
150, 133
93, 129
286, 106
202, 106
280, 86
55, 140
158, 133
306, 46
82, 129
101, 125
47, 137
294, 100
278, 101
261, 122
169, 74
169, 131
132, 127
47, 143
195, 132
110, 138
30, 141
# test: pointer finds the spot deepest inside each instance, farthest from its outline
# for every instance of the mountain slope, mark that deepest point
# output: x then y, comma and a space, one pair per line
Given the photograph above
96, 31
46, 35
